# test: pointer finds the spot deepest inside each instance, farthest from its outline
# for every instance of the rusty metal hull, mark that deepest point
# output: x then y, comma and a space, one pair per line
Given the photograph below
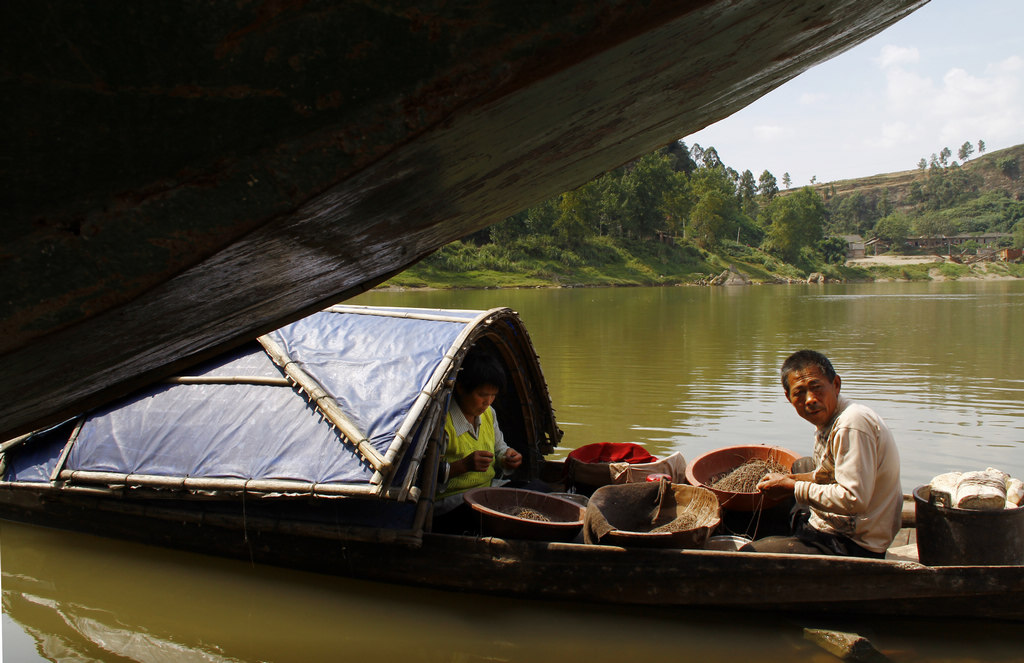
181, 176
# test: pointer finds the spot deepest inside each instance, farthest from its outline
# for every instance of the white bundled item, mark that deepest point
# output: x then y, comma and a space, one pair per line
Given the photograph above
943, 489
982, 491
674, 465
1014, 493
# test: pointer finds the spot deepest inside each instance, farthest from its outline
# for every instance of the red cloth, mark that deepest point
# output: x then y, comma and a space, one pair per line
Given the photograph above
612, 452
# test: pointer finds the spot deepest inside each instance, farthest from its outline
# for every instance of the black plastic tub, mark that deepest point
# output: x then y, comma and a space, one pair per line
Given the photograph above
959, 537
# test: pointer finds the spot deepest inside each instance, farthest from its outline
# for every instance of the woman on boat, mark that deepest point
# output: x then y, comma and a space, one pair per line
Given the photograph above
476, 453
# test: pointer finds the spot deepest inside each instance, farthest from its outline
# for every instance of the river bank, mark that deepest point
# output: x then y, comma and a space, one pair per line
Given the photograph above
716, 270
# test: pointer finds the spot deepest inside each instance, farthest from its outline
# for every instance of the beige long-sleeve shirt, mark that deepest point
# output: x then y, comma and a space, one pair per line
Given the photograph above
856, 490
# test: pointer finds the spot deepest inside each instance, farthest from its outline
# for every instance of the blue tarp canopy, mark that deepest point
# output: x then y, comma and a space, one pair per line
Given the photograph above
236, 417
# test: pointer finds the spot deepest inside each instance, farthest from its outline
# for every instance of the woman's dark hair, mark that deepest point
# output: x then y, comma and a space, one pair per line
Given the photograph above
803, 359
480, 369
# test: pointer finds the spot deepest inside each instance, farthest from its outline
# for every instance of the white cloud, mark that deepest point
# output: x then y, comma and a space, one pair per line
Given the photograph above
767, 133
897, 56
958, 75
1010, 65
892, 135
812, 98
907, 92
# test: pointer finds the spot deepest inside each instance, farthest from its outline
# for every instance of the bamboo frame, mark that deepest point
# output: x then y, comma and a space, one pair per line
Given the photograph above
385, 313
67, 449
218, 484
231, 379
435, 382
421, 428
325, 403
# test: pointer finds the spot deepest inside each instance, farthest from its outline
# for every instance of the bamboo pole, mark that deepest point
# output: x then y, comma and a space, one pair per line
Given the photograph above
434, 384
428, 429
437, 317
13, 442
219, 484
230, 379
326, 404
67, 449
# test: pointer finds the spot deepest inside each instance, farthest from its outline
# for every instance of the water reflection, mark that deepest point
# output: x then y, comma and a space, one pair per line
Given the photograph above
76, 597
676, 369
693, 369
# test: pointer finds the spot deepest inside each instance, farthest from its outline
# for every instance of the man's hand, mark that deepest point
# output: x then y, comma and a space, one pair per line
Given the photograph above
777, 485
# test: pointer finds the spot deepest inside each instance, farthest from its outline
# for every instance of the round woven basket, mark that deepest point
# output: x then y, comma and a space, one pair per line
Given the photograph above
495, 507
704, 469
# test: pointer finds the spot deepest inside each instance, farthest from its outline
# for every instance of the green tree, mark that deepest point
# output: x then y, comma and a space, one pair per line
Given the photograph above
767, 187
505, 232
922, 164
833, 249
797, 220
981, 146
1018, 235
577, 216
894, 230
708, 219
944, 156
710, 158
883, 205
1009, 166
677, 203
644, 187
933, 224
852, 213
786, 180
746, 188
715, 210
680, 157
965, 151
540, 219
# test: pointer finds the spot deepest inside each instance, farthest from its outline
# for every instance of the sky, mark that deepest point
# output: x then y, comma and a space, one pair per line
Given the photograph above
949, 73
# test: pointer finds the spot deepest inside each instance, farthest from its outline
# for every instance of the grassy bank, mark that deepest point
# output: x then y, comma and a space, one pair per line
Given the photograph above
606, 263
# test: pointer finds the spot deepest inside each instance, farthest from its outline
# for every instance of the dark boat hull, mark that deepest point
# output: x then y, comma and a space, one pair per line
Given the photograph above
542, 570
180, 177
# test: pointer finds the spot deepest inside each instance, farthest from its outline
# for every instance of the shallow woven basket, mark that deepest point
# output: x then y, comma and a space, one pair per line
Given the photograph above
492, 506
697, 500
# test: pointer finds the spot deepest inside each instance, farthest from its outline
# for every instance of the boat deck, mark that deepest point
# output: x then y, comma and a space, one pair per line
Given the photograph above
904, 546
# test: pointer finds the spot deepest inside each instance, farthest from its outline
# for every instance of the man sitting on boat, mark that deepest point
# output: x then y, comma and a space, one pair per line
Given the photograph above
477, 454
851, 502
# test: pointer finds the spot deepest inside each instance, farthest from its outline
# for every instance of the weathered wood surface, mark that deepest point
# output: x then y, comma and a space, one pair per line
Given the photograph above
180, 177
560, 571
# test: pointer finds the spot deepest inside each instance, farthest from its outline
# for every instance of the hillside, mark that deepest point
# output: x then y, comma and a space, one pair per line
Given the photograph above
898, 183
638, 226
994, 179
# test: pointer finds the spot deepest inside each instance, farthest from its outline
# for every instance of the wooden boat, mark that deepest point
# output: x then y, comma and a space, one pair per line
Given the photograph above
182, 178
318, 447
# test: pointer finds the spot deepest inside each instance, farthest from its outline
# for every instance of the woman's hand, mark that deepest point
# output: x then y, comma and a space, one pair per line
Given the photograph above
512, 459
478, 461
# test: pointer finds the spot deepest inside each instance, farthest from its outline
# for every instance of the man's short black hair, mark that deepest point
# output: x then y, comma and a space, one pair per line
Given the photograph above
479, 368
803, 359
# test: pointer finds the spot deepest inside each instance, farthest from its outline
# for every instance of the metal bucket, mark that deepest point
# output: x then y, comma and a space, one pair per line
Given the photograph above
958, 537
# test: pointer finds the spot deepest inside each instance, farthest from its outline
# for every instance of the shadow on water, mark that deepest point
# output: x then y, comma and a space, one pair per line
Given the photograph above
69, 596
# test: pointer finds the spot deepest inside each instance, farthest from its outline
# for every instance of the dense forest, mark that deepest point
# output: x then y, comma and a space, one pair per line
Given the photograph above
680, 214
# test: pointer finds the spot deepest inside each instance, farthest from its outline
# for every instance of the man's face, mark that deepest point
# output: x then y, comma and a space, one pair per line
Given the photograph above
814, 396
474, 403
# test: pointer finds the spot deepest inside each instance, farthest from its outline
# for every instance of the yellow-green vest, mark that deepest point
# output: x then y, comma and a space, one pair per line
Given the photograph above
465, 444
